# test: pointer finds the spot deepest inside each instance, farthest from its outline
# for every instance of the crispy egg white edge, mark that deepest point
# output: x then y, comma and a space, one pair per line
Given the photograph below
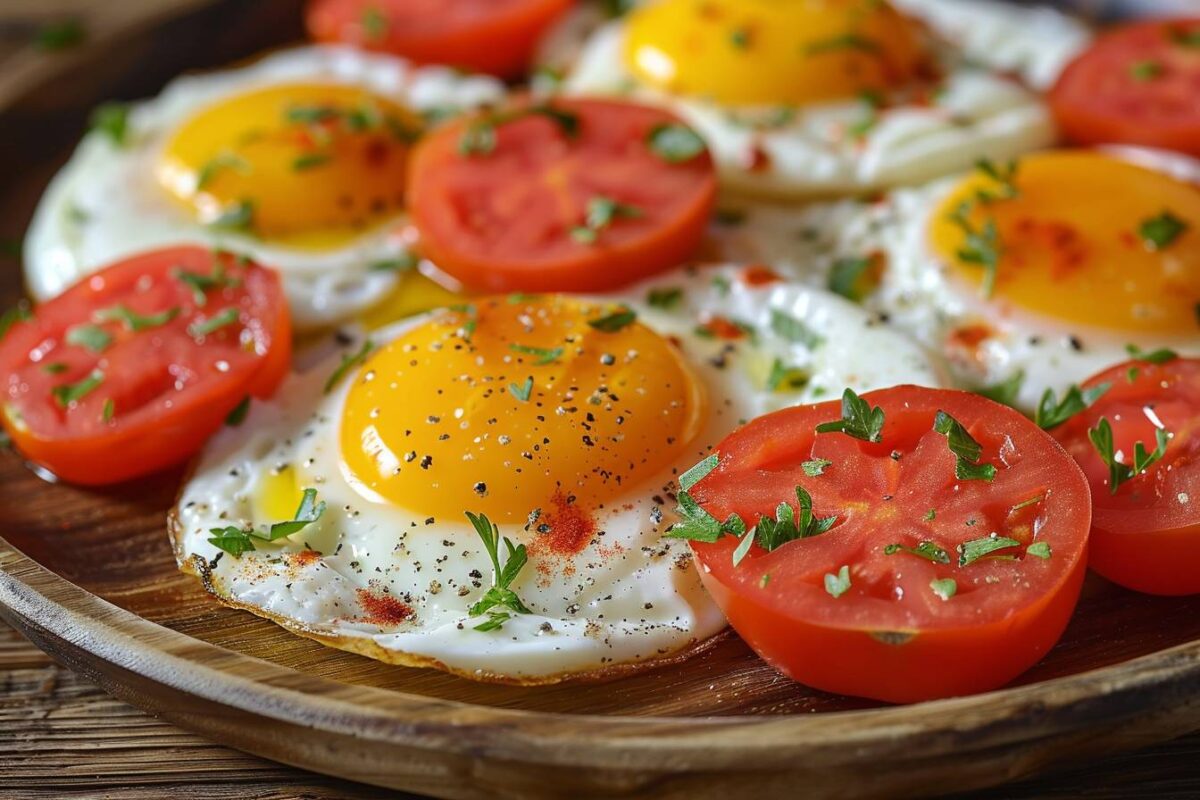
979, 114
551, 645
923, 297
106, 203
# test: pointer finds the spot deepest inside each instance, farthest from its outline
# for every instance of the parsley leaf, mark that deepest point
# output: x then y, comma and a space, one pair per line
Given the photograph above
792, 329
1159, 233
201, 284
847, 41
60, 35
223, 318
1006, 391
816, 467
1051, 413
214, 166
853, 278
544, 355
111, 120
234, 541
783, 377
132, 321
73, 392
965, 449
307, 513
972, 551
522, 391
926, 550
859, 419
1145, 70
90, 337
698, 473
237, 216
349, 362
601, 213
981, 246
479, 139
1101, 437
945, 588
1039, 550
500, 602
18, 313
675, 143
787, 527
1160, 356
615, 321
666, 297
238, 415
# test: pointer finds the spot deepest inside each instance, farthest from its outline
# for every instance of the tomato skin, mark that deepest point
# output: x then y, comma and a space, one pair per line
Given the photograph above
151, 428
888, 636
1145, 537
983, 657
498, 37
503, 221
1098, 100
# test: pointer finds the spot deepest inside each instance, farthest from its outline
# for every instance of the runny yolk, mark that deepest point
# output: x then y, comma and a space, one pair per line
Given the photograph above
1087, 239
791, 52
510, 405
308, 165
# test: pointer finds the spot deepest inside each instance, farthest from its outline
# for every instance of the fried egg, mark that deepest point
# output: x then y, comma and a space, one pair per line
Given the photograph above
834, 96
1093, 255
296, 159
564, 422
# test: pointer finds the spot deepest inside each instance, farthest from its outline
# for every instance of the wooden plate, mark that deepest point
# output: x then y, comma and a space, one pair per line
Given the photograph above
90, 578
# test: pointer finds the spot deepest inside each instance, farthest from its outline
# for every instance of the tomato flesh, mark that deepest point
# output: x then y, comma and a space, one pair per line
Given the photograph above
890, 635
1146, 535
1137, 84
494, 36
509, 219
132, 369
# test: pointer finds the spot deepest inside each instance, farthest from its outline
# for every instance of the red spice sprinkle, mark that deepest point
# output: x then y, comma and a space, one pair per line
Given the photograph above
758, 275
722, 328
305, 558
383, 609
570, 527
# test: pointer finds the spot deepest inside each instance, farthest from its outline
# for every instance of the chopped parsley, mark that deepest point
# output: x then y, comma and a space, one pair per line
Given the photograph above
1101, 437
479, 139
981, 246
1006, 391
214, 166
859, 420
972, 551
349, 362
795, 330
602, 212
74, 392
55, 368
310, 161
926, 550
237, 216
236, 541
816, 466
1159, 233
1051, 413
1183, 37
611, 323
1039, 550
1160, 356
89, 337
18, 313
522, 391
60, 35
111, 120
543, 355
401, 263
853, 278
785, 378
374, 24
966, 450
202, 284
666, 297
787, 526
238, 415
223, 318
847, 41
110, 408
1145, 70
675, 143
500, 602
133, 321
837, 585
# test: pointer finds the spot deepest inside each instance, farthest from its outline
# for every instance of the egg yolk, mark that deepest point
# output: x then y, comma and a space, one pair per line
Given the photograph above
510, 405
792, 52
1082, 237
309, 165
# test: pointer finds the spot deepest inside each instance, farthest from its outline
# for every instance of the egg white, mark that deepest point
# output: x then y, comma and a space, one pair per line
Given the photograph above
977, 113
629, 599
921, 295
106, 202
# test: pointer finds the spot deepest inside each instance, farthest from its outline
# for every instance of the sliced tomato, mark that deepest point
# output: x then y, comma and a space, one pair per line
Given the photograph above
133, 368
850, 609
494, 36
1137, 84
1146, 534
581, 195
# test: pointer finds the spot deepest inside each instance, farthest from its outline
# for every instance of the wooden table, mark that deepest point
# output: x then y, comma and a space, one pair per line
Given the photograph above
61, 737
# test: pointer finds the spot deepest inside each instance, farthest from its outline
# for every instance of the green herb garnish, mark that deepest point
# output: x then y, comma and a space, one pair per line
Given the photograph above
500, 602
972, 551
133, 321
1101, 437
543, 355
792, 329
837, 585
74, 392
926, 550
611, 323
602, 212
859, 419
945, 588
1051, 413
1159, 233
675, 143
966, 450
223, 318
522, 391
349, 362
89, 337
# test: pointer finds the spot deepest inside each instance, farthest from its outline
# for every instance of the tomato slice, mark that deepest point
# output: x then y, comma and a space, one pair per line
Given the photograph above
581, 195
494, 36
1137, 84
1146, 534
133, 368
903, 627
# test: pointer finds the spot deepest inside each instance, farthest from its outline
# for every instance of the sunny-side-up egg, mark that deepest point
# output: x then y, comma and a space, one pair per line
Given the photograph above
297, 159
564, 421
1026, 276
809, 97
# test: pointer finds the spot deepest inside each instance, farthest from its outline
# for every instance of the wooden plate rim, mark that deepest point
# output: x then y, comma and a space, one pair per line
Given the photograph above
36, 598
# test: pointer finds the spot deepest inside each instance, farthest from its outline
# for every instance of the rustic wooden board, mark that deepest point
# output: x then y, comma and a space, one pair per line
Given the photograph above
89, 577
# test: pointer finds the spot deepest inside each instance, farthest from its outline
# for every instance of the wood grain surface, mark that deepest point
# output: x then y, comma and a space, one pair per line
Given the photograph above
67, 740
